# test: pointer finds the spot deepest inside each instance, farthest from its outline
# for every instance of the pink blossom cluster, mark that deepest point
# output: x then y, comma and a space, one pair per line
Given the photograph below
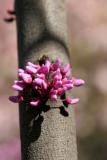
39, 83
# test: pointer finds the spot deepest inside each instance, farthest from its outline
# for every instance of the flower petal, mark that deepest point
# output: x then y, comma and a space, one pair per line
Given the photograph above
71, 101
78, 82
53, 97
38, 81
16, 99
56, 65
33, 65
75, 100
35, 103
67, 81
44, 85
20, 72
61, 91
17, 87
26, 77
31, 69
41, 76
68, 86
65, 69
48, 64
43, 69
58, 84
57, 75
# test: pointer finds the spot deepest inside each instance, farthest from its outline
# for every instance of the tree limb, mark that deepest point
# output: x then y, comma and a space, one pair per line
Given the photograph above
42, 29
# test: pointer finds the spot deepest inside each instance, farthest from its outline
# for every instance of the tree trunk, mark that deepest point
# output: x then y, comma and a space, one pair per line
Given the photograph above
42, 30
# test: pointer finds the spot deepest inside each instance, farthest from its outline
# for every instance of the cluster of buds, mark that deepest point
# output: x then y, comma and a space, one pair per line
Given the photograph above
45, 81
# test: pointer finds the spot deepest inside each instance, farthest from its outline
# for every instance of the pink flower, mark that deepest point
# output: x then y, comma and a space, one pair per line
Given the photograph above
17, 87
27, 78
45, 68
71, 101
57, 75
65, 69
53, 95
68, 86
41, 76
58, 84
67, 81
20, 71
31, 69
78, 82
48, 65
60, 91
33, 65
16, 99
39, 82
56, 64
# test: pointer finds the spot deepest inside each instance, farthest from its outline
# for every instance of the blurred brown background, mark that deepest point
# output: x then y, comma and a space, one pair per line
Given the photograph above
87, 21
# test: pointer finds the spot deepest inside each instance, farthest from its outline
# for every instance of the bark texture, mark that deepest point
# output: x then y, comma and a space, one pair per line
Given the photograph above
42, 30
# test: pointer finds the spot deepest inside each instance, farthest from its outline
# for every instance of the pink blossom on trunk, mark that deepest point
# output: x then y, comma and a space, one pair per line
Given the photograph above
39, 82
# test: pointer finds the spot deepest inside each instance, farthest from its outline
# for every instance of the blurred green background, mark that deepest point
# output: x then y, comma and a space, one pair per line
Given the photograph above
87, 21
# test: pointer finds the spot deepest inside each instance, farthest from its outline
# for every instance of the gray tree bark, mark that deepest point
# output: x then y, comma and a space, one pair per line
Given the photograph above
42, 29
